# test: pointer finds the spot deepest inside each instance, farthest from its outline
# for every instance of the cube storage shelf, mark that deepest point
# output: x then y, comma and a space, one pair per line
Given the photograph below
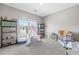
8, 31
41, 30
0, 32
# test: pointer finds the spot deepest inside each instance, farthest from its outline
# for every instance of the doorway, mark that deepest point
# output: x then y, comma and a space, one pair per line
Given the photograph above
25, 30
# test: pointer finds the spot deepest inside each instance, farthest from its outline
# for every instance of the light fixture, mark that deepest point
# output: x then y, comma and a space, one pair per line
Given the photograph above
42, 3
35, 10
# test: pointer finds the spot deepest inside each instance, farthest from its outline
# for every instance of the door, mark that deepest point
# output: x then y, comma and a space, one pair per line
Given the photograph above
22, 31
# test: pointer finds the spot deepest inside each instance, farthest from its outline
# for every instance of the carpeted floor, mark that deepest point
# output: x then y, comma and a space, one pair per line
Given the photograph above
45, 47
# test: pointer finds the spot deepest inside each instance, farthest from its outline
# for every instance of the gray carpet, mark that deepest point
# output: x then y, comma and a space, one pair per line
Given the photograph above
45, 47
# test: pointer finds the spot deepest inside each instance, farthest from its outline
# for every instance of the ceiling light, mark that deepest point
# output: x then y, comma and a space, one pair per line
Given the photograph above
42, 3
35, 10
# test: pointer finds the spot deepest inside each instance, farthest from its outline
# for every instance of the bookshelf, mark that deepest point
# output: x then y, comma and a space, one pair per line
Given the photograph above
41, 30
0, 32
8, 32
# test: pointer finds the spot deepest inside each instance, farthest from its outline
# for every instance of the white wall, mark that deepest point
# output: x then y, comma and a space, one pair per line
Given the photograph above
16, 13
67, 19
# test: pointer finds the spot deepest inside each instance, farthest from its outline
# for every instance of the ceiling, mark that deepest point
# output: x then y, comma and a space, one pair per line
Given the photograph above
41, 9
